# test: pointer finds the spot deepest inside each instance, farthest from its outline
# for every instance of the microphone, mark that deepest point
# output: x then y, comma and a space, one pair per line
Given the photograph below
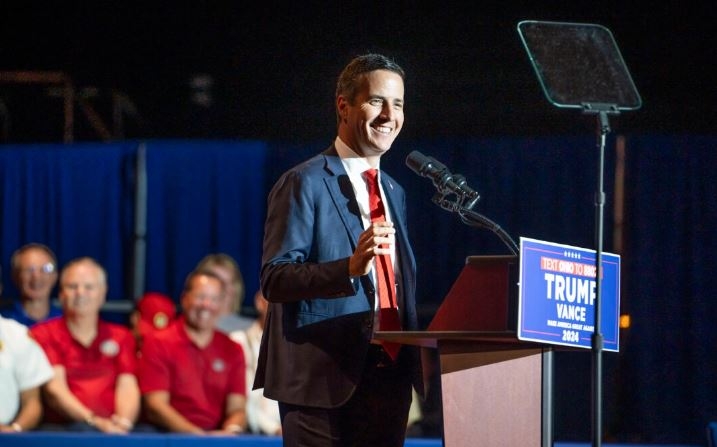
443, 180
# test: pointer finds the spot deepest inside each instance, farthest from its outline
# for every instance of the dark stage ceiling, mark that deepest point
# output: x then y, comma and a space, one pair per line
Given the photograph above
228, 70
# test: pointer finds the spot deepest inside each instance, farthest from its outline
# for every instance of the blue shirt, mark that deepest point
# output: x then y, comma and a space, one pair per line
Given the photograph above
18, 314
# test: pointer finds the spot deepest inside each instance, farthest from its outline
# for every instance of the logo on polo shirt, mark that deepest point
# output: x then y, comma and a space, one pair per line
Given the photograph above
109, 348
218, 365
160, 320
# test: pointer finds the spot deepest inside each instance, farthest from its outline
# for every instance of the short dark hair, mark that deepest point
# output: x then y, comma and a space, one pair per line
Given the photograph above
15, 259
349, 79
188, 281
31, 246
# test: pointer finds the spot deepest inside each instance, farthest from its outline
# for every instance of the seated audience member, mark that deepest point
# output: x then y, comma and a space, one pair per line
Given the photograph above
192, 377
34, 272
154, 311
23, 369
262, 412
95, 387
227, 269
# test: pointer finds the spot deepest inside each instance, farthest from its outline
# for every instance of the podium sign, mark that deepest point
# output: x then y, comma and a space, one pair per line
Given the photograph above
556, 298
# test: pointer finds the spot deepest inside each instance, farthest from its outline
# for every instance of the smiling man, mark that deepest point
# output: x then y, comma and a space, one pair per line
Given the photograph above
94, 387
191, 375
337, 267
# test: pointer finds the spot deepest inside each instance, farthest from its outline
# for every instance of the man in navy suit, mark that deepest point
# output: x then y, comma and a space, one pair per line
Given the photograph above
335, 383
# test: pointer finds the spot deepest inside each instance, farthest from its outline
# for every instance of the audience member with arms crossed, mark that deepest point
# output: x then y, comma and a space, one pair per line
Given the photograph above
94, 387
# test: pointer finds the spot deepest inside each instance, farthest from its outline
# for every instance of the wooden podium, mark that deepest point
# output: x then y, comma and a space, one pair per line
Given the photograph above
496, 389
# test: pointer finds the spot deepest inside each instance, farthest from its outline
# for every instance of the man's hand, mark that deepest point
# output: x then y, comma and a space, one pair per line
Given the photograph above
375, 240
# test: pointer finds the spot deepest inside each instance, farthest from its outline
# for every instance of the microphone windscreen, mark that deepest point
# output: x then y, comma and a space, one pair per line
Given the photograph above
416, 161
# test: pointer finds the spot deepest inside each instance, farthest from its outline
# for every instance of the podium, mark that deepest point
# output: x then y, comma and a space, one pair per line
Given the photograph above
496, 389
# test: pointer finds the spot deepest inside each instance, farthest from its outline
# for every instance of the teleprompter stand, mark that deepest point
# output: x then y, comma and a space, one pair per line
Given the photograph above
579, 66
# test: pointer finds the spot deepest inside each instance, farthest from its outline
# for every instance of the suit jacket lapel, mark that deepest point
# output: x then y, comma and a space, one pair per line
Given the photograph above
342, 194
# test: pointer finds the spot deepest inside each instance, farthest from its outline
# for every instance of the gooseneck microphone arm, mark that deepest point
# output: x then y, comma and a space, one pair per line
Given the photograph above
474, 219
464, 197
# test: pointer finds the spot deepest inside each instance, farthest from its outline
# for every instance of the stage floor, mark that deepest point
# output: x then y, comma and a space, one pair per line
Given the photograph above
43, 439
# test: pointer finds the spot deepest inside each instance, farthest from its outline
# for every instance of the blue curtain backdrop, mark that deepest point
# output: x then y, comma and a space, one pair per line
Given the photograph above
76, 199
669, 357
206, 196
203, 197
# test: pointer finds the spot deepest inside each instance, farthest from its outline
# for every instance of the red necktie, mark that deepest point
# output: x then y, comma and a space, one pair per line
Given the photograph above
385, 280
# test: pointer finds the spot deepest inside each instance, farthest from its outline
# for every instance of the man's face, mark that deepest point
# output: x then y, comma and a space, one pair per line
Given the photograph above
36, 275
83, 289
201, 302
371, 124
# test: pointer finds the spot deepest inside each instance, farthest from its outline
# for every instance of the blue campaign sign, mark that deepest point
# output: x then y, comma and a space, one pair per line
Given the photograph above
557, 291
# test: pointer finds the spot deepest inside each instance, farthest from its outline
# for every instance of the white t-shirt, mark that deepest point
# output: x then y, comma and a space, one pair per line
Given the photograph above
23, 365
262, 413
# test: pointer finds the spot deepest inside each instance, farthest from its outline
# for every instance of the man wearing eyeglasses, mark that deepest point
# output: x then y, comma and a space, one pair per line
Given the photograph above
34, 272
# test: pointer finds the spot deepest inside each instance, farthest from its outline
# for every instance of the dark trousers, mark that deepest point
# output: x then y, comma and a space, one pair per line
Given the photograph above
375, 416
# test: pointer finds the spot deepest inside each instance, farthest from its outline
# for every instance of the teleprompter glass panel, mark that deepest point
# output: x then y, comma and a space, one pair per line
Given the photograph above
579, 65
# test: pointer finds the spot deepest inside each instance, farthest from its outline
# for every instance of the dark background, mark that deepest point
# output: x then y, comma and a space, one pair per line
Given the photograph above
274, 67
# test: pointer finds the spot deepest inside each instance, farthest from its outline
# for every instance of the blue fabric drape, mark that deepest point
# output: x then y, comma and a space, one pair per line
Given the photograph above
79, 199
203, 197
75, 199
669, 365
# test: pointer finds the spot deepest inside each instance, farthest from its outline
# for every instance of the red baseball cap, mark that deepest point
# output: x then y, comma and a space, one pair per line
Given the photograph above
156, 311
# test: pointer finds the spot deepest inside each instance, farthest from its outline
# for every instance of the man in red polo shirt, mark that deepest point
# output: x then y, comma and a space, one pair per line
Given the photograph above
94, 387
192, 377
